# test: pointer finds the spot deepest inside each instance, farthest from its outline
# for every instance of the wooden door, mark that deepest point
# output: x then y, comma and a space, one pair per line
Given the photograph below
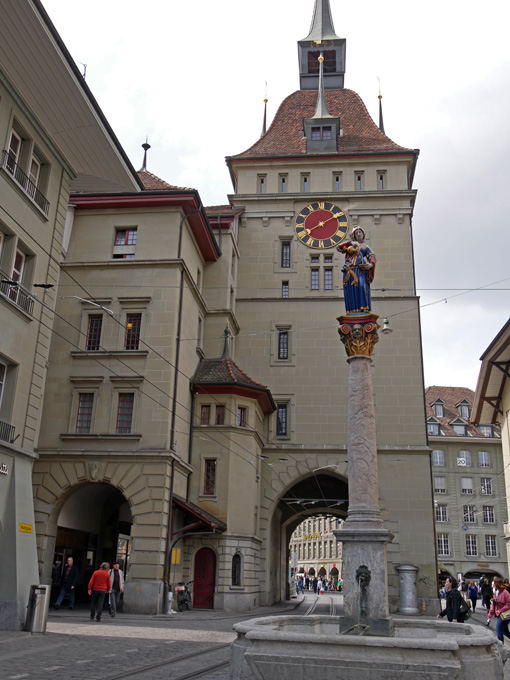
204, 580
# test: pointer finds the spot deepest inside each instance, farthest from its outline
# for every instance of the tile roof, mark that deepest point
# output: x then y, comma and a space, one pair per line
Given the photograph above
222, 372
153, 183
451, 397
285, 136
221, 210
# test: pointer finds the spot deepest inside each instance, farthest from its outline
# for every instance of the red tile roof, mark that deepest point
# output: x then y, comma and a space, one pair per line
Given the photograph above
451, 397
285, 136
153, 183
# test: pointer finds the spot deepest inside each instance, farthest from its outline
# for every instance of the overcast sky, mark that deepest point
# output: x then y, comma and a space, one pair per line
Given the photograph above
192, 76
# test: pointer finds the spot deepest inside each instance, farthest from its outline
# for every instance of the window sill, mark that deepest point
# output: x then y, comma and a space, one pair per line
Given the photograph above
101, 436
237, 589
80, 354
16, 308
208, 497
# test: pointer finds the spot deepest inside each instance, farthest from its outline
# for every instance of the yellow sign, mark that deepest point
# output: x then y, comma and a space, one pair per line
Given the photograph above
312, 536
176, 555
26, 528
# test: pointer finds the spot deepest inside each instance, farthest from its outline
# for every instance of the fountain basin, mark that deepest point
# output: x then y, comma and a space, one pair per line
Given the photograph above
310, 648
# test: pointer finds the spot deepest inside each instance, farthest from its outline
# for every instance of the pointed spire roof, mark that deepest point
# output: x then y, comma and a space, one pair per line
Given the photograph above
264, 122
321, 110
322, 23
145, 146
381, 121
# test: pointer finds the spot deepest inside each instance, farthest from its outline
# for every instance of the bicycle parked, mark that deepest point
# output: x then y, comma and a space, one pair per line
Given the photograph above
183, 595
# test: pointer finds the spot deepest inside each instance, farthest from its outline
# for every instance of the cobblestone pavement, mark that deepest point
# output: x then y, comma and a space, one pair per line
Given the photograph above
171, 647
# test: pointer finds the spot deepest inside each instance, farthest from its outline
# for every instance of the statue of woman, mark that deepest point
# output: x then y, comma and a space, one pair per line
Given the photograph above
359, 269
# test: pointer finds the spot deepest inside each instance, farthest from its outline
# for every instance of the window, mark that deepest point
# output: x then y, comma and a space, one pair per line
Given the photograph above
93, 340
205, 414
236, 570
460, 430
490, 546
488, 514
281, 420
220, 415
18, 269
443, 544
438, 458
328, 259
241, 416
486, 483
441, 513
433, 428
319, 133
309, 551
315, 259
314, 280
33, 176
282, 179
328, 279
285, 289
464, 409
438, 409
484, 459
314, 549
132, 338
464, 459
305, 182
285, 259
337, 181
485, 430
84, 416
439, 484
125, 412
471, 545
283, 345
326, 549
467, 485
359, 181
261, 184
329, 64
13, 152
210, 477
381, 182
125, 243
469, 513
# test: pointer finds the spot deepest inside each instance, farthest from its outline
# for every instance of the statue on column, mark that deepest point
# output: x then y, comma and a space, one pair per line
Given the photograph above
358, 270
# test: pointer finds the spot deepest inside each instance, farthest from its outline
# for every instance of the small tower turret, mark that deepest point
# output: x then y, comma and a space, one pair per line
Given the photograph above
322, 38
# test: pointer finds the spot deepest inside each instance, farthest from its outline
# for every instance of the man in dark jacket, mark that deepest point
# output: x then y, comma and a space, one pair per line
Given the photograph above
68, 583
453, 602
486, 591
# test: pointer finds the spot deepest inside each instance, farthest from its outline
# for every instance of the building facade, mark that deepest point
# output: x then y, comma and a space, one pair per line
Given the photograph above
469, 500
314, 551
40, 92
196, 392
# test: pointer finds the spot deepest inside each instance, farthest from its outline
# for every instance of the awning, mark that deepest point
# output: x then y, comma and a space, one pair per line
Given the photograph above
196, 520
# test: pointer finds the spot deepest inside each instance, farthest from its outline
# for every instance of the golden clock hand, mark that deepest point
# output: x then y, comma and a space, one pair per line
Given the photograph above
321, 224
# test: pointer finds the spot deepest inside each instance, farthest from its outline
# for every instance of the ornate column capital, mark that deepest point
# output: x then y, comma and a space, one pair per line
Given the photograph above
358, 332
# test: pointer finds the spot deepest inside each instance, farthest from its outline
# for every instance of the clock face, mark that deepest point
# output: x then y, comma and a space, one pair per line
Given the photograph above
321, 225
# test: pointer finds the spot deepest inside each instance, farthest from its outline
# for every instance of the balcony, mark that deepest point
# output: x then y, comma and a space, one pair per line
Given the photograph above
16, 294
6, 432
23, 181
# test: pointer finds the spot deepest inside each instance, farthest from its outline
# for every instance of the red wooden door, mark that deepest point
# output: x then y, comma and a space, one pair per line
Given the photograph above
204, 579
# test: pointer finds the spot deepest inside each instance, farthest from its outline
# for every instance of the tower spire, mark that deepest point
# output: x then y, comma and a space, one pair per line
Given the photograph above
145, 146
321, 110
381, 122
322, 37
264, 122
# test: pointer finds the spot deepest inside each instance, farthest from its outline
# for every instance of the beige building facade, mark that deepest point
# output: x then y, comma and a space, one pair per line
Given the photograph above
469, 500
40, 92
196, 390
314, 551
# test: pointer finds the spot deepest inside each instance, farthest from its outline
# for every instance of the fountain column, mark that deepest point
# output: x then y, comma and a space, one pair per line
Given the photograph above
363, 535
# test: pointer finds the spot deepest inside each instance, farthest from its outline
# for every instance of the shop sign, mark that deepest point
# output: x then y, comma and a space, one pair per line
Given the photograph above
26, 528
4, 470
312, 536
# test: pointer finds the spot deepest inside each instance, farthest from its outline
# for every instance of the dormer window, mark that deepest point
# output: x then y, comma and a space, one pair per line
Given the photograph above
319, 133
438, 408
464, 409
433, 427
460, 430
329, 61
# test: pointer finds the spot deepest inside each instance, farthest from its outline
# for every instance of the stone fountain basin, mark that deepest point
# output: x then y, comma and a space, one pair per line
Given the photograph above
310, 648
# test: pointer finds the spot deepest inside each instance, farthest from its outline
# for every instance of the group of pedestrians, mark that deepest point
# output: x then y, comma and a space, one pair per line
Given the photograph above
495, 597
318, 585
104, 581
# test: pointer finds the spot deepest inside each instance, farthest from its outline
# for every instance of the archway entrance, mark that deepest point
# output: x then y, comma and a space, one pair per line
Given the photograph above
204, 580
316, 504
94, 526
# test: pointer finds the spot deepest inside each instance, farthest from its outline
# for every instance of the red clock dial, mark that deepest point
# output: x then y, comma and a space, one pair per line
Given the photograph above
321, 225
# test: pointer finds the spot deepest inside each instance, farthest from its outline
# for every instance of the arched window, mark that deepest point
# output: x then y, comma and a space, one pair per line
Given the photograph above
236, 570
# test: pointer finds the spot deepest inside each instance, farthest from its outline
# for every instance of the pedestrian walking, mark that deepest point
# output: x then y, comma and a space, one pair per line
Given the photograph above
67, 583
500, 605
453, 602
99, 585
473, 595
486, 592
117, 587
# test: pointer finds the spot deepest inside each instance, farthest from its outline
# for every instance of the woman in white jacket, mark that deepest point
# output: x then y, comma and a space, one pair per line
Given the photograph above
117, 587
